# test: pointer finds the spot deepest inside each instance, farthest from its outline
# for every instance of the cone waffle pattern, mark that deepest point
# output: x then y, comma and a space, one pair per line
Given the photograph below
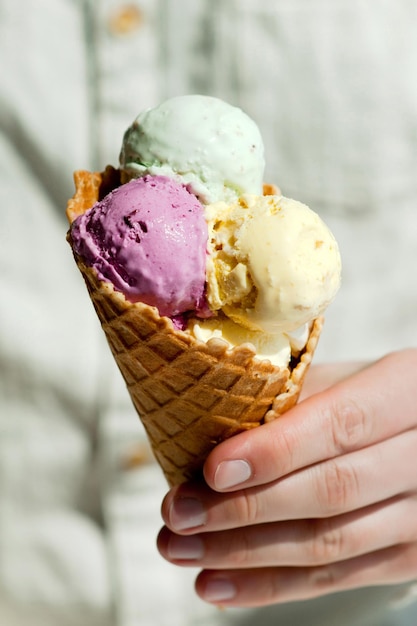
190, 395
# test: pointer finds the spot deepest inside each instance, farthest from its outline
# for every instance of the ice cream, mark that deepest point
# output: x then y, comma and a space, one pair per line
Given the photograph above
207, 144
265, 265
191, 239
273, 265
261, 269
149, 239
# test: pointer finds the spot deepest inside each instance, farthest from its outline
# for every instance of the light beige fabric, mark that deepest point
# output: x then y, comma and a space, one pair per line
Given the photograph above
332, 84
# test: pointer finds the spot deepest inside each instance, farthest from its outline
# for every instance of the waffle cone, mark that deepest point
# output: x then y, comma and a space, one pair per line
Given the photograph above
190, 395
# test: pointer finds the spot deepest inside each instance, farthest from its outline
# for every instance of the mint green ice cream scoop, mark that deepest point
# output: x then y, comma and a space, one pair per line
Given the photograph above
212, 147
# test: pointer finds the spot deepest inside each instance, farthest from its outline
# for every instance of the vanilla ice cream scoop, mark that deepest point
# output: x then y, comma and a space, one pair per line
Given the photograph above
209, 145
273, 264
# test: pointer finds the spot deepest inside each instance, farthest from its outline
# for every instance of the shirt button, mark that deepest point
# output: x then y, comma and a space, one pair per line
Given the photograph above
125, 20
139, 455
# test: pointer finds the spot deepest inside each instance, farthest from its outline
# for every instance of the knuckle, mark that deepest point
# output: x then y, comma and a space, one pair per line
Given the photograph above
410, 560
350, 425
322, 579
337, 487
329, 543
247, 508
284, 447
274, 587
239, 550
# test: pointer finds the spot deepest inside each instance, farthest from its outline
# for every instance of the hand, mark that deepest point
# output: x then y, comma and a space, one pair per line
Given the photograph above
321, 500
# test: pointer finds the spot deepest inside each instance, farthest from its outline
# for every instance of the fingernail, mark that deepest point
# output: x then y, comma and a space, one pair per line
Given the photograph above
187, 513
185, 548
219, 590
231, 473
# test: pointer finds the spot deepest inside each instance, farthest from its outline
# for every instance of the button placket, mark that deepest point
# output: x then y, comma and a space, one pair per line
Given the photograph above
127, 69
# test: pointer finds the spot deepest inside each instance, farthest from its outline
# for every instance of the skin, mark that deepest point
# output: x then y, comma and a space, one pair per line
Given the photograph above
328, 500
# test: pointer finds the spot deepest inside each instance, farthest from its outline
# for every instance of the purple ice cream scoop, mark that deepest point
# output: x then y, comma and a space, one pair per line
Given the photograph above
149, 239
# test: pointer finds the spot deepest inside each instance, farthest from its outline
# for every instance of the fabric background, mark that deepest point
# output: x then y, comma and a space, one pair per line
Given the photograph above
332, 85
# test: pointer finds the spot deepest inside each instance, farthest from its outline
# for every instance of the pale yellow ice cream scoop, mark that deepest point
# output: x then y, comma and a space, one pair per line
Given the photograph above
273, 264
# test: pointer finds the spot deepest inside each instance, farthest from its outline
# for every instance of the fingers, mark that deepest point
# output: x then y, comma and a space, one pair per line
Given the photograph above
347, 483
264, 586
323, 499
351, 415
327, 489
303, 543
291, 561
